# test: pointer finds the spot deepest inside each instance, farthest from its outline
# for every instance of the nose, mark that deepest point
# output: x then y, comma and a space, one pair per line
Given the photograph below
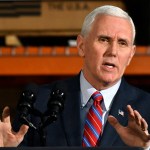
112, 49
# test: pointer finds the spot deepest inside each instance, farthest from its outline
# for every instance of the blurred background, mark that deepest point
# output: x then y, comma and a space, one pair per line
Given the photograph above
38, 42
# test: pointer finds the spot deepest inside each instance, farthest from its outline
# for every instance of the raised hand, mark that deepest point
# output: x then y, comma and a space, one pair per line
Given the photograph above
9, 138
136, 132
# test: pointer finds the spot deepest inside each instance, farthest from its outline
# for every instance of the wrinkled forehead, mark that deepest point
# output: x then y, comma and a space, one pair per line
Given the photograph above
112, 25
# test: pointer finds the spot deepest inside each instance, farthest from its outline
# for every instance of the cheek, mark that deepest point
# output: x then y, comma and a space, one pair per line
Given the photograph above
124, 60
92, 60
93, 54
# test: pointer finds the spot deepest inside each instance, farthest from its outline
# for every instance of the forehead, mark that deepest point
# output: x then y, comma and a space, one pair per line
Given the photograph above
112, 26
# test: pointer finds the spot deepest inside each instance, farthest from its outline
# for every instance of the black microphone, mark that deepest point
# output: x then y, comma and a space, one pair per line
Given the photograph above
55, 106
25, 105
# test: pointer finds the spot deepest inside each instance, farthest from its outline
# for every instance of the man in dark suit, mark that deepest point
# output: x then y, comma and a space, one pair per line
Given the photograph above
106, 44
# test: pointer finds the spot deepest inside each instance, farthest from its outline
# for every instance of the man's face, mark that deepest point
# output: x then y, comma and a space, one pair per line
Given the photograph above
106, 50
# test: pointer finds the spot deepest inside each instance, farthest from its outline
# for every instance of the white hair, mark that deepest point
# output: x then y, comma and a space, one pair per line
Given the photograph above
108, 10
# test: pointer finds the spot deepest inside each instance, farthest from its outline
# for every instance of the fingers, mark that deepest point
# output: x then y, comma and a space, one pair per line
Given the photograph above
114, 122
130, 113
144, 125
6, 115
140, 121
134, 115
138, 117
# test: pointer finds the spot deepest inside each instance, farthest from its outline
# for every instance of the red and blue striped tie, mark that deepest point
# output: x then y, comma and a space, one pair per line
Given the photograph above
93, 123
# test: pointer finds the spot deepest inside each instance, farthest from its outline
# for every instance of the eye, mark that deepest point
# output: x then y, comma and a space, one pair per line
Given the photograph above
123, 43
103, 39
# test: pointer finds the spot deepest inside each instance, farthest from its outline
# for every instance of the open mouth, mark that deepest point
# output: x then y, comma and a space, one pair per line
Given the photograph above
109, 65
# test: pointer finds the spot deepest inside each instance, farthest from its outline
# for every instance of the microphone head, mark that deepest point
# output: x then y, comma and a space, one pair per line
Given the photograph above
55, 105
26, 101
56, 102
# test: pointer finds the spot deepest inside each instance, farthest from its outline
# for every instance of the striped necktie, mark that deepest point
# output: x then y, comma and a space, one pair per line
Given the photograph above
93, 123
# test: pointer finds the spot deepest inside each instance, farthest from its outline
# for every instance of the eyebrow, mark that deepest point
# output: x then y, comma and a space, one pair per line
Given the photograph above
108, 37
104, 36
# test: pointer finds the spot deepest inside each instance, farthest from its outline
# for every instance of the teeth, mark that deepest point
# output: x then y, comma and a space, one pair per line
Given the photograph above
109, 66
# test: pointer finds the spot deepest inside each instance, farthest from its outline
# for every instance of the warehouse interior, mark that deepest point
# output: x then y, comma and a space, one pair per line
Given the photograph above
38, 42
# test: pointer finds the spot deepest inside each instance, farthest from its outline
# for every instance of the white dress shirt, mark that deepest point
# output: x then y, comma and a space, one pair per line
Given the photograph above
86, 92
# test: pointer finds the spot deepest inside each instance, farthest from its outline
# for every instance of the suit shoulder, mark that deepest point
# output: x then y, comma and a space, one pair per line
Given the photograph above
63, 84
136, 91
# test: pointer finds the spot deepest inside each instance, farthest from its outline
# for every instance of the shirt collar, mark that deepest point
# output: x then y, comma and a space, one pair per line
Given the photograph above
87, 90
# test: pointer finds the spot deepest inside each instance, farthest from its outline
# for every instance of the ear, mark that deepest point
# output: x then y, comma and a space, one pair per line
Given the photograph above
132, 54
80, 45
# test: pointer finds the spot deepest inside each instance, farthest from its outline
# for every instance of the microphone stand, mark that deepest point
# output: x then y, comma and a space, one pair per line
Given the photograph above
39, 129
42, 133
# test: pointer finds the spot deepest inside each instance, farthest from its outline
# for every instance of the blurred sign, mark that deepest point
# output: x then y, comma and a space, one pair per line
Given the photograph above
59, 17
19, 8
70, 5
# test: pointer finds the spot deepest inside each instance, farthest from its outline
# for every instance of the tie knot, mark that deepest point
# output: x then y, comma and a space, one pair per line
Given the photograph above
97, 96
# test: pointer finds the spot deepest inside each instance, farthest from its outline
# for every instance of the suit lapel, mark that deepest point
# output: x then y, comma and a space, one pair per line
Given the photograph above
118, 110
71, 113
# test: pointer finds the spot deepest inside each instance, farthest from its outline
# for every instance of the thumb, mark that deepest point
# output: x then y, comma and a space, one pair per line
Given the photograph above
23, 130
114, 122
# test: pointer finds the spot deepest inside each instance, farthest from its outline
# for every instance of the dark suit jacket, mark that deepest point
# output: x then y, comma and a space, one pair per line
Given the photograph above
66, 131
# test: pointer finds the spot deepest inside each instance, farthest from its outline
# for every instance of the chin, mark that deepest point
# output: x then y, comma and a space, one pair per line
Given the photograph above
109, 81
